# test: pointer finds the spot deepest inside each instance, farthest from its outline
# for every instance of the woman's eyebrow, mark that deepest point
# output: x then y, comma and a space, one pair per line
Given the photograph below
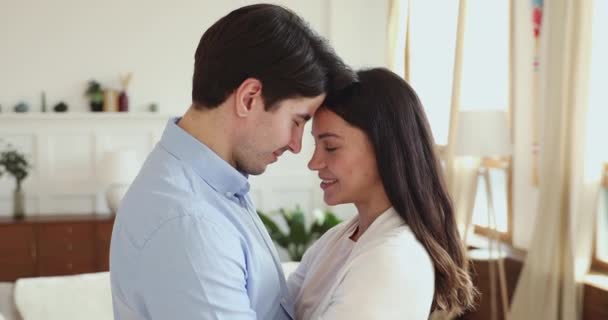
329, 135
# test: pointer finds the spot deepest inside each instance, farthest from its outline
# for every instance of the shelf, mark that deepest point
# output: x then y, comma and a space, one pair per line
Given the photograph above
83, 115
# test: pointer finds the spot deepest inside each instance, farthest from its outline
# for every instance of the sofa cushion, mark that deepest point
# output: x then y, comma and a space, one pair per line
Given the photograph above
84, 296
7, 302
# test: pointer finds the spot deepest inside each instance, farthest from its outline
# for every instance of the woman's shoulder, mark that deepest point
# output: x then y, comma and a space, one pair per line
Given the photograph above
397, 265
397, 247
402, 236
390, 234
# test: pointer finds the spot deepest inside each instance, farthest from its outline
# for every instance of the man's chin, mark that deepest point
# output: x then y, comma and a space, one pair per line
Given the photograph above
256, 171
251, 170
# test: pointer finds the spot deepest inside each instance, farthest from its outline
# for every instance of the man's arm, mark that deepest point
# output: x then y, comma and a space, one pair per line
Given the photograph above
191, 268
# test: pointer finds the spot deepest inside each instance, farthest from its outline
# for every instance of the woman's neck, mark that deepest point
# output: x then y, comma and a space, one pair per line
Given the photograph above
368, 211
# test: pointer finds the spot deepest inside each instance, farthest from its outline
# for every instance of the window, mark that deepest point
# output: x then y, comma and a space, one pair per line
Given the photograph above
485, 85
601, 242
432, 46
597, 130
485, 78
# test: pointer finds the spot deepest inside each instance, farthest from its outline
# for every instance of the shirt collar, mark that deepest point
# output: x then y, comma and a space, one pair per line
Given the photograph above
218, 173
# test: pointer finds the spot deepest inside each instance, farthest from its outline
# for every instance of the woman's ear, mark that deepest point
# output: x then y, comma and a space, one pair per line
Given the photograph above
248, 96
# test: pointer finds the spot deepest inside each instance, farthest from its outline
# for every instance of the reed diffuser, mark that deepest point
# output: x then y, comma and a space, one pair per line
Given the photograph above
123, 98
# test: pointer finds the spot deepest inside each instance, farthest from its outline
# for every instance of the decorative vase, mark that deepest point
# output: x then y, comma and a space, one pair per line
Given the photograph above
123, 102
43, 101
18, 205
110, 100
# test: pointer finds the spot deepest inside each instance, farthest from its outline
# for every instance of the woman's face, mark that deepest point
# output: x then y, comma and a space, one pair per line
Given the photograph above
344, 159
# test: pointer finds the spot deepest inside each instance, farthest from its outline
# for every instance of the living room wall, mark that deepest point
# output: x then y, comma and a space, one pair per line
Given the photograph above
57, 46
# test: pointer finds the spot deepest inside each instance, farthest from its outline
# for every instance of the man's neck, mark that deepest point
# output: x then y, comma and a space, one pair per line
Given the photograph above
212, 128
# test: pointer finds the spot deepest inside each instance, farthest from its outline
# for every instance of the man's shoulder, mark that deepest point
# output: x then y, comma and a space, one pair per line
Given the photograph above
147, 212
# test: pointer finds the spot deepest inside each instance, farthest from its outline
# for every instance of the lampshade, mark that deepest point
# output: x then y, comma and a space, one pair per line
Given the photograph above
483, 133
119, 167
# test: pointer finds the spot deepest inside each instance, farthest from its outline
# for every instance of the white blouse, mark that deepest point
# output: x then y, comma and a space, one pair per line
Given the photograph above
386, 274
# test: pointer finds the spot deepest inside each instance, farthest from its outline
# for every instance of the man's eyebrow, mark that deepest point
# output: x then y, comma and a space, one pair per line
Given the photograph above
304, 116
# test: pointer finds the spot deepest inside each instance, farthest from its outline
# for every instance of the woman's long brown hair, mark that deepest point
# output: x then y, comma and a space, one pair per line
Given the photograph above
388, 110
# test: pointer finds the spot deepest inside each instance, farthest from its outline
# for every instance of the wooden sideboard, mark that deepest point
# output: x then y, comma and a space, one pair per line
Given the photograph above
595, 301
54, 245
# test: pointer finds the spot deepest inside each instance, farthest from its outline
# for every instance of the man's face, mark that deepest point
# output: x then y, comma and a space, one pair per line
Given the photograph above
273, 132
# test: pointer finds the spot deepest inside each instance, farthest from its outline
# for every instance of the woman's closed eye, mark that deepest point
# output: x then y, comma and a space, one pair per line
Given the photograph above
327, 148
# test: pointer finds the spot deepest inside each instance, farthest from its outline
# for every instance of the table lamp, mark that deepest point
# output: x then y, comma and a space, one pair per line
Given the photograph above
484, 134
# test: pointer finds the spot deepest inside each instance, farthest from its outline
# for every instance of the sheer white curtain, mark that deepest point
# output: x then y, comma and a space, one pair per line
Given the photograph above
398, 22
547, 288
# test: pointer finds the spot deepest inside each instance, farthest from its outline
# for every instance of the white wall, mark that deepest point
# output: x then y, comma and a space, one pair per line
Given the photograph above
67, 153
57, 46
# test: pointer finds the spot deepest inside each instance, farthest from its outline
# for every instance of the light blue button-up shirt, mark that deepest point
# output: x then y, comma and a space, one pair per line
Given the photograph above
188, 244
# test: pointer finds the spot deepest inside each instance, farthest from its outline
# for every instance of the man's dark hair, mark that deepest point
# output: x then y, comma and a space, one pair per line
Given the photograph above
269, 43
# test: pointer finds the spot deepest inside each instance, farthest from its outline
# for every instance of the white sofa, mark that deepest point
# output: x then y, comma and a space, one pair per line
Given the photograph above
8, 311
84, 296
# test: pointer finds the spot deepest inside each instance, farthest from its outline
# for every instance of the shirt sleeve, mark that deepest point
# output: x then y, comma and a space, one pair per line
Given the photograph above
387, 284
193, 269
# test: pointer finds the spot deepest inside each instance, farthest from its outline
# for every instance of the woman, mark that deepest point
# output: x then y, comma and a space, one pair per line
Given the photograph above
401, 257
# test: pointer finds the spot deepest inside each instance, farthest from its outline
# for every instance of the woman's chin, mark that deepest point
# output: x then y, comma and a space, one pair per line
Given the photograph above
332, 201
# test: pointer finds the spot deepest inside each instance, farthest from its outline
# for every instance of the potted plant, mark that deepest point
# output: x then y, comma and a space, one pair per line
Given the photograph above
95, 94
299, 237
16, 164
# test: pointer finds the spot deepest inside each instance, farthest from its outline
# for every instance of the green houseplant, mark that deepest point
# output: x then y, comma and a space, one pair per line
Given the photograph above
16, 164
95, 94
299, 236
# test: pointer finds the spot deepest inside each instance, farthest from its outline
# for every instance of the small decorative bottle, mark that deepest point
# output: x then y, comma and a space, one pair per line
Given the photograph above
123, 98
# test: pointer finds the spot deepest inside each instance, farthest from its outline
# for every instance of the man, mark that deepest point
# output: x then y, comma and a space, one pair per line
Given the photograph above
187, 242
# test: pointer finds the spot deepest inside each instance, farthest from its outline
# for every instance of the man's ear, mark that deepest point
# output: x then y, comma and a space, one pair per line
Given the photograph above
248, 96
